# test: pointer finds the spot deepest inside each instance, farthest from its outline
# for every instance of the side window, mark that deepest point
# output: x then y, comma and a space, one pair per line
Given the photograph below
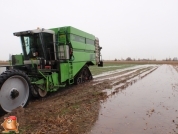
27, 44
81, 39
77, 38
72, 37
89, 41
48, 45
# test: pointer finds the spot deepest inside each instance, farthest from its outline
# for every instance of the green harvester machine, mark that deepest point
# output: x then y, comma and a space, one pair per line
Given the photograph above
51, 59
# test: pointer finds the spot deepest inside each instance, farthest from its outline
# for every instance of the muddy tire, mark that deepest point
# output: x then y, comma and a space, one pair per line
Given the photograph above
14, 90
86, 74
83, 76
42, 93
34, 91
78, 80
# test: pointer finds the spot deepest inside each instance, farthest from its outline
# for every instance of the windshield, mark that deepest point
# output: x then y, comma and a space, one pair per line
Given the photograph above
30, 44
37, 45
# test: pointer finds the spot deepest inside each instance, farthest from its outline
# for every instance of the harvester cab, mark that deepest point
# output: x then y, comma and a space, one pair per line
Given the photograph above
37, 44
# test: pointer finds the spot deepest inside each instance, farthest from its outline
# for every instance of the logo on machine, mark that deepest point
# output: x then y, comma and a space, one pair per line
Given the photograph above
10, 124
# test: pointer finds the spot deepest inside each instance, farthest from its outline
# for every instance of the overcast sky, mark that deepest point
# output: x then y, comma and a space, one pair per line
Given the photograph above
125, 28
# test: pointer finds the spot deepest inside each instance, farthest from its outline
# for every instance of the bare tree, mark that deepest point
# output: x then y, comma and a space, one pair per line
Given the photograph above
128, 59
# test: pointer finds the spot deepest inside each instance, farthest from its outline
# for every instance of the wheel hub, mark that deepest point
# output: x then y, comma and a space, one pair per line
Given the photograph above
14, 94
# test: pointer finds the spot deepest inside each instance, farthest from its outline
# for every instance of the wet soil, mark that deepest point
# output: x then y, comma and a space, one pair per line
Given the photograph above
148, 106
135, 100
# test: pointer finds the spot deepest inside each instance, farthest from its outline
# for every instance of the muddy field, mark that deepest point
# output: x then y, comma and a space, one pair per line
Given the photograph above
139, 99
147, 106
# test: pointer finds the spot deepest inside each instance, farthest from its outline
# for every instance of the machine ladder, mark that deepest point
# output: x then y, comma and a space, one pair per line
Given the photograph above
71, 76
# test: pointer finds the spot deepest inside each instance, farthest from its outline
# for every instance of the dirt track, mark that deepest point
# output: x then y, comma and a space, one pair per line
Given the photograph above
134, 100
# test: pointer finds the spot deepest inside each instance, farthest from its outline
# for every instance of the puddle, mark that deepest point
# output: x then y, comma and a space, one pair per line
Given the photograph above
100, 80
121, 70
116, 75
111, 66
119, 76
127, 81
149, 106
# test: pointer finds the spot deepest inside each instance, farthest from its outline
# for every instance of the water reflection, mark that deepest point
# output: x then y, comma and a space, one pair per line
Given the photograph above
148, 106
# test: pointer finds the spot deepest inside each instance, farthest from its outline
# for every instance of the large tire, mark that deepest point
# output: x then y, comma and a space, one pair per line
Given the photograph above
34, 91
78, 80
83, 76
14, 90
86, 74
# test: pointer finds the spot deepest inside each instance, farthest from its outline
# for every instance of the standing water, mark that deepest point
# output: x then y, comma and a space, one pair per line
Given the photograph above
147, 107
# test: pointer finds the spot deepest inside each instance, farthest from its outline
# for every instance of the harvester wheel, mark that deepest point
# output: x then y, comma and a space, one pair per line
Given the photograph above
86, 74
42, 93
34, 91
78, 80
90, 77
14, 90
83, 76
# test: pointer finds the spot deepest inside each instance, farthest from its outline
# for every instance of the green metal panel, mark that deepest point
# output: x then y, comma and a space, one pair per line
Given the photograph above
62, 38
83, 51
70, 29
77, 66
85, 56
94, 62
78, 45
64, 69
90, 47
80, 32
55, 79
17, 60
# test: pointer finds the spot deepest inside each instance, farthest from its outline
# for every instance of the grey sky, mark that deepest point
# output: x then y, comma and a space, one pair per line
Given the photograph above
125, 28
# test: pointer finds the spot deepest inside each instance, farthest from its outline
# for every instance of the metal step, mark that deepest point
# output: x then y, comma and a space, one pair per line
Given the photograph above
71, 77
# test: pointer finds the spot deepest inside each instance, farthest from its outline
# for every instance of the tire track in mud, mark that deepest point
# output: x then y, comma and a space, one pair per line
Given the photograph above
135, 77
120, 81
119, 75
121, 85
175, 67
